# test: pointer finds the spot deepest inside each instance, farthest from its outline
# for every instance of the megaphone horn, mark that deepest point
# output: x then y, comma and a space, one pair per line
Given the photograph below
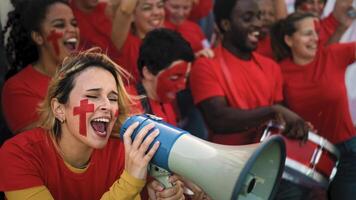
222, 171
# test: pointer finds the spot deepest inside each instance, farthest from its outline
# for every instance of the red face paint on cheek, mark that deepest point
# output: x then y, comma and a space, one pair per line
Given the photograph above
81, 110
53, 38
117, 113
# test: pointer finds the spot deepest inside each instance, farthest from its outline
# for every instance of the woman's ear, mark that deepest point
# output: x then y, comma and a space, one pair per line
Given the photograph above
225, 25
288, 40
58, 110
147, 74
37, 38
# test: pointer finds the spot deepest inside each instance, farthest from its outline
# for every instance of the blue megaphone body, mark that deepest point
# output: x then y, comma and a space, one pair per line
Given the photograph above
167, 137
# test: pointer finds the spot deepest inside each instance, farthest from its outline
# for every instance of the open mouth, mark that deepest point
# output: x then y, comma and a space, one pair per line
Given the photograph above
253, 36
71, 44
156, 22
100, 126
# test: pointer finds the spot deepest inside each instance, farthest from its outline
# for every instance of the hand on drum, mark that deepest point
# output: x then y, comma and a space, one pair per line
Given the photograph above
294, 126
137, 155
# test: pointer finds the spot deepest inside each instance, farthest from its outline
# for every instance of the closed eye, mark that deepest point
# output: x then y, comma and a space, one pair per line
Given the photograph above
91, 96
113, 99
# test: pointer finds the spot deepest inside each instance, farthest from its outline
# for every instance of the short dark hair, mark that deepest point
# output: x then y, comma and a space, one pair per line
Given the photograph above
222, 11
282, 28
160, 48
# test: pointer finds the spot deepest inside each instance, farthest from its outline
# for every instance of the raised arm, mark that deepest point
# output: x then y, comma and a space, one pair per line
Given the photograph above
340, 12
280, 9
122, 19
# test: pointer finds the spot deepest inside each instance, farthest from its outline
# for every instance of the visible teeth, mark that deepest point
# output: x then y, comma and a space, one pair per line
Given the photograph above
255, 33
101, 120
71, 40
156, 22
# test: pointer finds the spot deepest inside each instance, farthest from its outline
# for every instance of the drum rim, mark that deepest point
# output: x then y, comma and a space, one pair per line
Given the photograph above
321, 141
307, 171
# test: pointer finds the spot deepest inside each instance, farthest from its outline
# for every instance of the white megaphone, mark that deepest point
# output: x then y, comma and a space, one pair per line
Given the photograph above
222, 171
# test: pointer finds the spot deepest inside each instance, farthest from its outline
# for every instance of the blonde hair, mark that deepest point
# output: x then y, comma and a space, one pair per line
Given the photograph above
63, 82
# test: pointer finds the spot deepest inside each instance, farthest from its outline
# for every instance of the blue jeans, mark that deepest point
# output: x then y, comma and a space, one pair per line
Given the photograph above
343, 186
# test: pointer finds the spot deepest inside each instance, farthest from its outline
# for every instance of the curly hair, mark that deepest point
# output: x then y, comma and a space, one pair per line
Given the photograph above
26, 17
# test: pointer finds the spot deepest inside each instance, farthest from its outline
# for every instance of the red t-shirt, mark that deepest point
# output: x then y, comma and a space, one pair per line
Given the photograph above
317, 91
201, 10
31, 160
190, 32
163, 110
128, 56
258, 82
95, 29
21, 95
264, 47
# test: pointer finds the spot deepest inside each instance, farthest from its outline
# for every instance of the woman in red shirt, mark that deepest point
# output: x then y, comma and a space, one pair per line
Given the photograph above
71, 154
41, 34
314, 87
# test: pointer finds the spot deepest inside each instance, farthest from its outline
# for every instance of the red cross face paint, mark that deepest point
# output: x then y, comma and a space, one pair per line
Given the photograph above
91, 107
82, 111
172, 80
54, 38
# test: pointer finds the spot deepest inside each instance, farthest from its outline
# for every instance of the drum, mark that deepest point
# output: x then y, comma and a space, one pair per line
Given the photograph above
311, 164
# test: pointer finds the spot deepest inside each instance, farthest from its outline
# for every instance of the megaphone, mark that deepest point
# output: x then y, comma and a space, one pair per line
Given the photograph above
222, 171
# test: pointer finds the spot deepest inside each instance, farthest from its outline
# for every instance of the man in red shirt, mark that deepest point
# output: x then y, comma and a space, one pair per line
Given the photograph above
238, 90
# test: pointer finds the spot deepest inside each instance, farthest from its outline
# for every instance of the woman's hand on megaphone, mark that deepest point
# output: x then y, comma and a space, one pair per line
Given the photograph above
137, 155
157, 191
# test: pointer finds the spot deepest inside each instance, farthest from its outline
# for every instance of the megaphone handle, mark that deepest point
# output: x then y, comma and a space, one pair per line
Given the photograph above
160, 174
